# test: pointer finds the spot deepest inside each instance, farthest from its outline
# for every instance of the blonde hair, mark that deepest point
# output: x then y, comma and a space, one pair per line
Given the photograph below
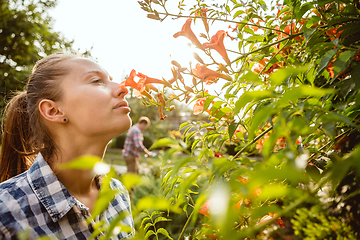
144, 119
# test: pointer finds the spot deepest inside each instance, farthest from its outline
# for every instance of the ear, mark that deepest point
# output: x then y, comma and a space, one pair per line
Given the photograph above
50, 111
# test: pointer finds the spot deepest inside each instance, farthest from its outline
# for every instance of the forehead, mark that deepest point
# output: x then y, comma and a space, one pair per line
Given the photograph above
80, 66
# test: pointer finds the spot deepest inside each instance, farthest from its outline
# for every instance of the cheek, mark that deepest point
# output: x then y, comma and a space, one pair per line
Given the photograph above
87, 104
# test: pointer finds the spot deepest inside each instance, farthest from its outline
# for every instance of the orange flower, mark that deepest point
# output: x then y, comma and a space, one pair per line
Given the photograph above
144, 84
261, 66
280, 143
217, 43
202, 13
235, 28
199, 106
162, 104
187, 32
271, 216
129, 82
208, 75
333, 33
330, 68
260, 143
204, 209
211, 236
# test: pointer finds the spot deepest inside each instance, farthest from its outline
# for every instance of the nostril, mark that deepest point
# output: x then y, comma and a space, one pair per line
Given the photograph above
122, 91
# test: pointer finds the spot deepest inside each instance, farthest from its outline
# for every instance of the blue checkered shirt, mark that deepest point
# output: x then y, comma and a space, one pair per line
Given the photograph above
36, 201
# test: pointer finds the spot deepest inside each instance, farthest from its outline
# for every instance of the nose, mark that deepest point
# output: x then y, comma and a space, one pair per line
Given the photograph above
121, 91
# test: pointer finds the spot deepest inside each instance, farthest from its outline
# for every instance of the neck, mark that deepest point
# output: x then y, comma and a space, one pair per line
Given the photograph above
77, 182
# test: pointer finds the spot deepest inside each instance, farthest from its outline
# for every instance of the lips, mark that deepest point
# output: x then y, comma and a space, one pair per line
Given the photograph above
121, 104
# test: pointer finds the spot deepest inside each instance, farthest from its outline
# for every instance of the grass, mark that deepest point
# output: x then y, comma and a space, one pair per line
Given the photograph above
114, 156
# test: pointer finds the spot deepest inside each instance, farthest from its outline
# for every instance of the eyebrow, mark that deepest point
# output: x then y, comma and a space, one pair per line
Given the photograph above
98, 73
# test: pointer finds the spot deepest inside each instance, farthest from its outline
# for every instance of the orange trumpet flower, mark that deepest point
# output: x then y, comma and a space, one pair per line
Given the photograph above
144, 83
208, 75
199, 106
187, 32
202, 13
217, 43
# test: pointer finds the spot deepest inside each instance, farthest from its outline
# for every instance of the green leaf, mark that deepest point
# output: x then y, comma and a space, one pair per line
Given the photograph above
336, 117
299, 125
189, 136
329, 128
300, 92
337, 20
342, 62
147, 226
149, 234
247, 97
164, 142
83, 162
273, 191
308, 32
325, 60
232, 128
161, 219
143, 221
239, 12
255, 38
195, 143
260, 116
180, 163
280, 76
164, 232
129, 180
207, 102
157, 203
189, 181
251, 77
184, 125
303, 9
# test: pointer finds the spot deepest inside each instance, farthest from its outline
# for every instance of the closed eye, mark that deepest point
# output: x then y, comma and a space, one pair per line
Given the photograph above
98, 80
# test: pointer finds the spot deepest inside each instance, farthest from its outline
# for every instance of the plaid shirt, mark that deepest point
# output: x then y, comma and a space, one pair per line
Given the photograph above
37, 202
134, 142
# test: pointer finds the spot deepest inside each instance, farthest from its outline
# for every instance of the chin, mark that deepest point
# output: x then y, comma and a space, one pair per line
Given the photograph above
124, 125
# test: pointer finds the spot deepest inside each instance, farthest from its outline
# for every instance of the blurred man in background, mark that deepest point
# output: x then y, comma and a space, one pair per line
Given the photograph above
134, 146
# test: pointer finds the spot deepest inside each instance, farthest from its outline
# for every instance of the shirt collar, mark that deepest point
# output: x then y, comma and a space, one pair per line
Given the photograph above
51, 193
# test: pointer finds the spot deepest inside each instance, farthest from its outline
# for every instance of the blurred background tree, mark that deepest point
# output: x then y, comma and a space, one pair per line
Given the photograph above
26, 35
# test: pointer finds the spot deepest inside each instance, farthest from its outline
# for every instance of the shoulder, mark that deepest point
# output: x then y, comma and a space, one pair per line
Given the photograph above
14, 188
122, 195
15, 195
135, 129
117, 185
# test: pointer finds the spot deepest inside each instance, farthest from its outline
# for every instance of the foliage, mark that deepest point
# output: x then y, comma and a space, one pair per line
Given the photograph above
26, 35
315, 224
149, 223
289, 81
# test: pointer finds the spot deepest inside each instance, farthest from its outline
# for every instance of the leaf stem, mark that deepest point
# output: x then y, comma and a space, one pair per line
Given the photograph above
185, 226
252, 142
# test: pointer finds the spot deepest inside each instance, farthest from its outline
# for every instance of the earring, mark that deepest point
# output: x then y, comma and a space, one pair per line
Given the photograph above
64, 119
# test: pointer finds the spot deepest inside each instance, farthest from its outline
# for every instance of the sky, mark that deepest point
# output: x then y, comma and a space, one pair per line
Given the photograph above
121, 36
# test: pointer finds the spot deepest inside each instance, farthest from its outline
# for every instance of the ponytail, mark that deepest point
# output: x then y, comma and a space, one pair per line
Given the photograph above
17, 154
25, 133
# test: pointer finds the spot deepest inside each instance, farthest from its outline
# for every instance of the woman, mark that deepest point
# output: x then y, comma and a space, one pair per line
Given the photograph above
70, 108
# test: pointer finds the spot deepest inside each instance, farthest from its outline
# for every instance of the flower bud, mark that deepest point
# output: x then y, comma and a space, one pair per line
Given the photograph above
173, 62
187, 98
196, 56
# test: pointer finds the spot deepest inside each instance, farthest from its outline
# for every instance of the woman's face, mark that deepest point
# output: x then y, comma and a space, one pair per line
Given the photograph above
93, 105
